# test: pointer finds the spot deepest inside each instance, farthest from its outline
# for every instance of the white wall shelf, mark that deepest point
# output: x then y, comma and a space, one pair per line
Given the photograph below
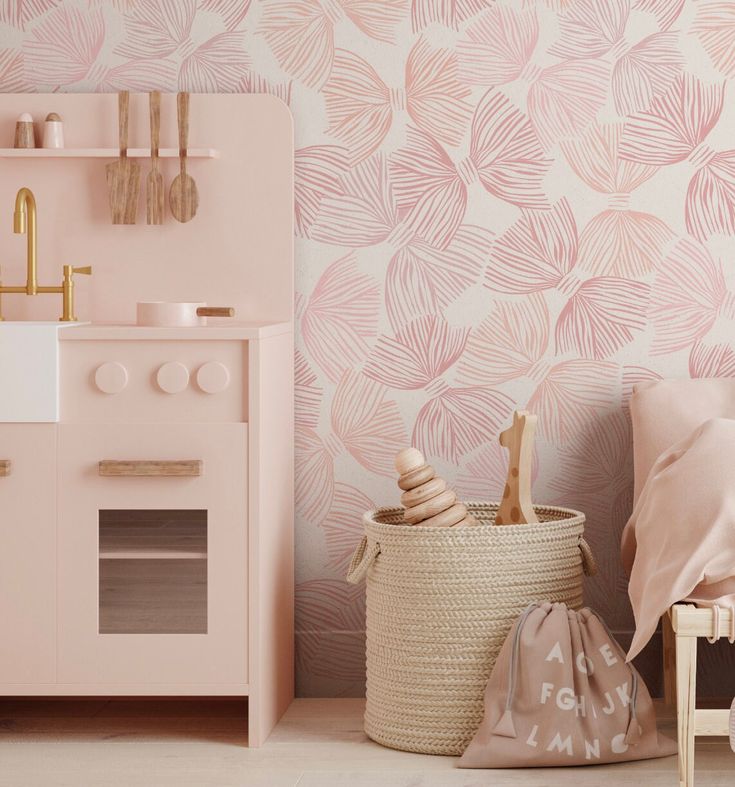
110, 153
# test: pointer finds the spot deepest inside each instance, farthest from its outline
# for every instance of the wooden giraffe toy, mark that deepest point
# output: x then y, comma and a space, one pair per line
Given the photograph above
426, 497
516, 507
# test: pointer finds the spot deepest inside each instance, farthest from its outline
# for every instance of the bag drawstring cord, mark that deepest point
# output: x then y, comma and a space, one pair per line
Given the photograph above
633, 733
505, 725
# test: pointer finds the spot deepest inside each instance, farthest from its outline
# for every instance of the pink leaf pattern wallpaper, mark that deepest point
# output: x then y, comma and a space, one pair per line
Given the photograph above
499, 204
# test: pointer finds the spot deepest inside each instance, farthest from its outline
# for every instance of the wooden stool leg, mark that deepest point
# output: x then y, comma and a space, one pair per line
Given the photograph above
686, 685
669, 660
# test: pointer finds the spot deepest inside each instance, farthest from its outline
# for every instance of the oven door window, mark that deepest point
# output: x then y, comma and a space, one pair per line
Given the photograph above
152, 571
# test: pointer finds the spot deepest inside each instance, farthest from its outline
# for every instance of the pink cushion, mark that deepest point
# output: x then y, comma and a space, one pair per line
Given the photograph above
666, 411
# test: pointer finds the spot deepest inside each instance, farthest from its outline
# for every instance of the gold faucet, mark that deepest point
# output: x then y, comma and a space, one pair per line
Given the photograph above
24, 221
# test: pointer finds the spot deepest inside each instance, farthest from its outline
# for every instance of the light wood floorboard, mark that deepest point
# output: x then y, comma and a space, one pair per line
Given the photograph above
319, 743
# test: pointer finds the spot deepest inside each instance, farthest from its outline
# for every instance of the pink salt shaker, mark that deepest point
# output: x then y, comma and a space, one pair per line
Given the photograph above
53, 131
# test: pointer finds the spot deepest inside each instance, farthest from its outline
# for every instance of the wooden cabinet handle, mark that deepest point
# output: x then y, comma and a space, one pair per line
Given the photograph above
151, 467
4, 467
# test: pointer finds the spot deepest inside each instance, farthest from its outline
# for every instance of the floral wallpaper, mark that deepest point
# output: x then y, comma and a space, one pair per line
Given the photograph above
519, 203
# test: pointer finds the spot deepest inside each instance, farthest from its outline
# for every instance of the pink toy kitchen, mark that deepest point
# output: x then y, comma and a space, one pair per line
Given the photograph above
146, 404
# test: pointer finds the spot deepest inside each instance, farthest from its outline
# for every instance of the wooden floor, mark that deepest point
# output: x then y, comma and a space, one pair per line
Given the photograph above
319, 743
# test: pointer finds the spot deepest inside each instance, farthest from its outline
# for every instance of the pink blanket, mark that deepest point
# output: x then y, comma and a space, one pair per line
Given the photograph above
679, 543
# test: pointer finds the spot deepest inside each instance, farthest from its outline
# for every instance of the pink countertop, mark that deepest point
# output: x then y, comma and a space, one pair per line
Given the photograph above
238, 331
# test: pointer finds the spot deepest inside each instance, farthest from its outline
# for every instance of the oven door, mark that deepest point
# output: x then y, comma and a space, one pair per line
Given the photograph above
152, 555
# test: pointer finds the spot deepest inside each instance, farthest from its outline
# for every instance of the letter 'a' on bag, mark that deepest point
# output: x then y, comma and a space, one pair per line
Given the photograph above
561, 693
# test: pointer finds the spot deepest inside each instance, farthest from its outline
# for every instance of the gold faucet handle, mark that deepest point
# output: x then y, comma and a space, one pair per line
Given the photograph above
67, 289
70, 270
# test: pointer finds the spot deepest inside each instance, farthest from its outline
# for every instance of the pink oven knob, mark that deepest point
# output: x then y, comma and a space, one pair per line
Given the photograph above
213, 377
172, 377
111, 377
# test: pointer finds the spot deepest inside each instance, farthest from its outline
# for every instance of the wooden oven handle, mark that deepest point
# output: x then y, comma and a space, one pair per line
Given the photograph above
180, 468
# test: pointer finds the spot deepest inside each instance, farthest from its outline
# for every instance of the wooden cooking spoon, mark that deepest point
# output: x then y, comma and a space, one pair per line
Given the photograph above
183, 197
154, 181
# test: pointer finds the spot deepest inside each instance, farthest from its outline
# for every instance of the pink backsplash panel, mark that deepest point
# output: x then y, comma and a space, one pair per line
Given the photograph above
521, 203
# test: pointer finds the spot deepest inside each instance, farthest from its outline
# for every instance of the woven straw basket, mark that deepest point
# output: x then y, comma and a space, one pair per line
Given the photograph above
440, 603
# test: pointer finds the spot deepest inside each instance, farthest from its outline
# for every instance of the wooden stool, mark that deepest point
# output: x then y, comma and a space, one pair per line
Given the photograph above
686, 623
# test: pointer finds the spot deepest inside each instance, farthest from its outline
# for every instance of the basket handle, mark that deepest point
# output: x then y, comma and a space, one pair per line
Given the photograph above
589, 564
361, 561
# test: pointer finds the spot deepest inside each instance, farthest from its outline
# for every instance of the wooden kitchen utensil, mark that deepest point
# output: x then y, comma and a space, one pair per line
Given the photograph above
154, 182
123, 175
516, 507
183, 197
426, 497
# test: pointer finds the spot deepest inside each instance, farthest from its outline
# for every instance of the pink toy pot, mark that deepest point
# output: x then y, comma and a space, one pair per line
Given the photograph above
164, 314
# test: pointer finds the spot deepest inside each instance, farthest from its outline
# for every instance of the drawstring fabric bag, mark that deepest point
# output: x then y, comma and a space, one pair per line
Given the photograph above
561, 693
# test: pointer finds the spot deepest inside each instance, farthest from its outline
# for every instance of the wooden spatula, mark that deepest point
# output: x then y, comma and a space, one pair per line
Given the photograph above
183, 197
154, 182
123, 175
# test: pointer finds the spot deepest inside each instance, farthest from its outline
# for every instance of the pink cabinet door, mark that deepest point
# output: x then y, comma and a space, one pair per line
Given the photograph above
152, 554
27, 553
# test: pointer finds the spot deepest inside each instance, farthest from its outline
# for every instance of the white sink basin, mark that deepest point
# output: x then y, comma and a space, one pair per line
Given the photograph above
29, 371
